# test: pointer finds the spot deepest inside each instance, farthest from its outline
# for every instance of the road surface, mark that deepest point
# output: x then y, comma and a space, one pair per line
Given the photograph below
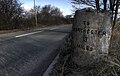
30, 53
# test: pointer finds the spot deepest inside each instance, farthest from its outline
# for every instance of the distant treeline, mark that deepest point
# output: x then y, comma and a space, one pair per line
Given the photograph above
13, 16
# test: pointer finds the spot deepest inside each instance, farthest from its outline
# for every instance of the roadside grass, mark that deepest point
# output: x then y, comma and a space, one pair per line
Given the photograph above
29, 28
109, 67
9, 31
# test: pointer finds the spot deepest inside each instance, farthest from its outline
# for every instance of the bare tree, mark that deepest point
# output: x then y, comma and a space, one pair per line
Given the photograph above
47, 15
113, 6
115, 9
10, 13
91, 3
105, 4
97, 5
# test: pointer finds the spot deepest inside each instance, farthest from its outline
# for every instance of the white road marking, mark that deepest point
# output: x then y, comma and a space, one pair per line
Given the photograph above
54, 28
33, 33
27, 34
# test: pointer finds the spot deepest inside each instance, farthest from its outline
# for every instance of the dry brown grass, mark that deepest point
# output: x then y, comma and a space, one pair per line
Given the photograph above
110, 67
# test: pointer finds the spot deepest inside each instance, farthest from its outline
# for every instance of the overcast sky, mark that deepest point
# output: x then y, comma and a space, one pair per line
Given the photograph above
64, 5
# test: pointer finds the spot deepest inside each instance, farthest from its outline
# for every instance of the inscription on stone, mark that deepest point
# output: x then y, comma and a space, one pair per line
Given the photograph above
90, 31
91, 35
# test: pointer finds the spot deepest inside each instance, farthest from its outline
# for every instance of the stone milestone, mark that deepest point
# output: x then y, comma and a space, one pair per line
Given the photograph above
91, 35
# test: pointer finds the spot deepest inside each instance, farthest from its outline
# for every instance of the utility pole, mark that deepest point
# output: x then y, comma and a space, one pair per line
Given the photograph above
35, 13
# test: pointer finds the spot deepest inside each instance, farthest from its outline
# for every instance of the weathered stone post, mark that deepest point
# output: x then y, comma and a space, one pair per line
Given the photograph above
91, 36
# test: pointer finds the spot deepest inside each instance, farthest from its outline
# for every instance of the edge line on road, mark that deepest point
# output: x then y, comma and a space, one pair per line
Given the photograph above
54, 28
27, 34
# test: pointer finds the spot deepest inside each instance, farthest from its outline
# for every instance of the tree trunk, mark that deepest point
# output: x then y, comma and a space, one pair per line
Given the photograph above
116, 12
105, 4
111, 4
97, 5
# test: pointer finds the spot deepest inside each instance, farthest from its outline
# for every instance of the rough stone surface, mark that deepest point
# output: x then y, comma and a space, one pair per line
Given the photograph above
91, 36
87, 46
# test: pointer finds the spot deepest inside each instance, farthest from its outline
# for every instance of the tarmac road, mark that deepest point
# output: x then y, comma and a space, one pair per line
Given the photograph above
30, 53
